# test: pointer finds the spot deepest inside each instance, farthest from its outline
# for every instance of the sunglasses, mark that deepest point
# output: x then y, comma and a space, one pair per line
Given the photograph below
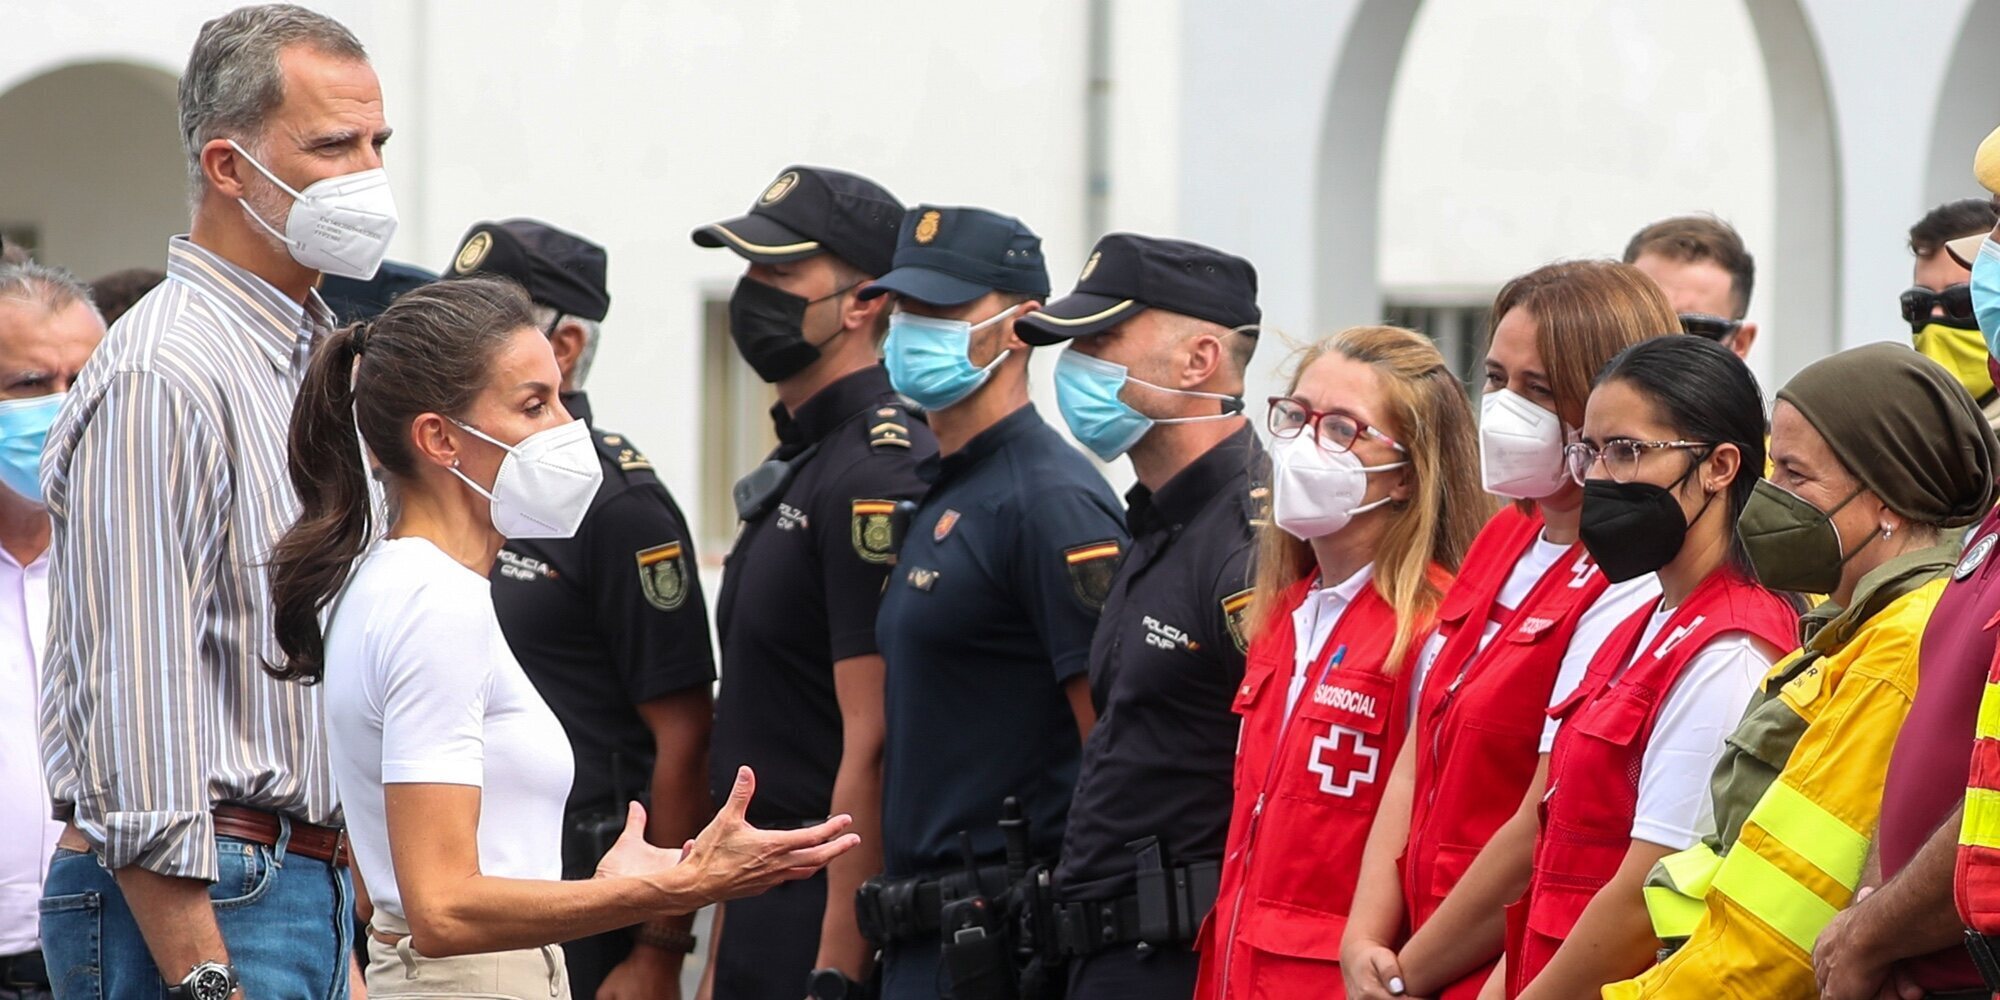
1714, 328
1920, 303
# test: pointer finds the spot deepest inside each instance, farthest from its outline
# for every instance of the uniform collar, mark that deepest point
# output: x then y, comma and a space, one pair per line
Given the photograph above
283, 330
577, 404
1010, 428
1829, 627
831, 406
1192, 489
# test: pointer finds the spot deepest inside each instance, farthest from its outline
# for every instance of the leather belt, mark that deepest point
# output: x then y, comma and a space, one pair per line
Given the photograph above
24, 971
320, 843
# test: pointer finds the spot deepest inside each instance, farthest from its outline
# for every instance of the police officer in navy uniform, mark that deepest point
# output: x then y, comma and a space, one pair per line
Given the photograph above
801, 697
987, 619
610, 624
1160, 334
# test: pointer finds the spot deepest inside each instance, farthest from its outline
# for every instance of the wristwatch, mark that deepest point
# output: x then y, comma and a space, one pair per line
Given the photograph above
829, 984
207, 981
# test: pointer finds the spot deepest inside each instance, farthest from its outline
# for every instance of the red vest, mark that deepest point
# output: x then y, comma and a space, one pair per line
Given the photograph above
1307, 786
1481, 713
1594, 767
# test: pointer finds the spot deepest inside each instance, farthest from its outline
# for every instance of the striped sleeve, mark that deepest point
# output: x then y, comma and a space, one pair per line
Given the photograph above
145, 539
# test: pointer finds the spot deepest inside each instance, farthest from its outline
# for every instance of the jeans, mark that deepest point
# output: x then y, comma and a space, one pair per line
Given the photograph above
286, 919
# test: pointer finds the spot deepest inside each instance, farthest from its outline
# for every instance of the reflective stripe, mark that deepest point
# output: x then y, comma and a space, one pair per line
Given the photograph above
1772, 896
1676, 907
1673, 915
1808, 830
1982, 819
1989, 711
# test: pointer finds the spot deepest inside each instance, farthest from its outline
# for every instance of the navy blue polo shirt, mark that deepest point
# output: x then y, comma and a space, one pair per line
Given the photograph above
988, 613
1164, 667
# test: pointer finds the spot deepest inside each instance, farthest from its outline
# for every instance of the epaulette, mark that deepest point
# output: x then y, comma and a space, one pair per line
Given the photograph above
889, 427
620, 451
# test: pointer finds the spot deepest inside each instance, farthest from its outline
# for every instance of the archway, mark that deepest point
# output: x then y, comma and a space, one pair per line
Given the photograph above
1965, 111
1801, 270
96, 181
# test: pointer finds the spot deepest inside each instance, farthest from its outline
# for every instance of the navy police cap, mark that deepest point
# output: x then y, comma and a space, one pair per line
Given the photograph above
1128, 273
810, 210
950, 256
560, 270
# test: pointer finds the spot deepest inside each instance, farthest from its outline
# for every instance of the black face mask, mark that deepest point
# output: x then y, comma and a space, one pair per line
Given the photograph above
768, 325
1633, 529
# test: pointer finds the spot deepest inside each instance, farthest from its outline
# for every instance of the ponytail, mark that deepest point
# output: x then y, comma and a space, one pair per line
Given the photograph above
431, 351
312, 561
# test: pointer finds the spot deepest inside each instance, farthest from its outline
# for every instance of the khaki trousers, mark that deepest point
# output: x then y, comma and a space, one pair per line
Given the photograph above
397, 970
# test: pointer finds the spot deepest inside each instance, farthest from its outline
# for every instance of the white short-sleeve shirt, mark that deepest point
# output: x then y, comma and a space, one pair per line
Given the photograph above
422, 688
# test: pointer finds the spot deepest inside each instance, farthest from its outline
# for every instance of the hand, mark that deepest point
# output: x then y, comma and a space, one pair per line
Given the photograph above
1843, 960
733, 859
646, 974
1371, 971
632, 856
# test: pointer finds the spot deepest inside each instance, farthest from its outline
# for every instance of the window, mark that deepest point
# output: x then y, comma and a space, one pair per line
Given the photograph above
736, 429
1459, 328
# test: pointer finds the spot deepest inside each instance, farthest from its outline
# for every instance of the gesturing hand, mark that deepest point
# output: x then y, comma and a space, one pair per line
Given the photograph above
733, 859
632, 855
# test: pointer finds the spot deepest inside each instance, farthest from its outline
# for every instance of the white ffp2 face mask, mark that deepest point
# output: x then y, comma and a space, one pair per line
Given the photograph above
1520, 447
545, 484
340, 225
1315, 492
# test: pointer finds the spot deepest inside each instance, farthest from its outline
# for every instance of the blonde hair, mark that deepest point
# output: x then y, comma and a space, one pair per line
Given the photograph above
1446, 507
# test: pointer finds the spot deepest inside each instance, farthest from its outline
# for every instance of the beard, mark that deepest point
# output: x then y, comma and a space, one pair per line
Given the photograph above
267, 202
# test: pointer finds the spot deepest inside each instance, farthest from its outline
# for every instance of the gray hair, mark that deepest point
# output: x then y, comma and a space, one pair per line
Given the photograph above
52, 287
545, 318
233, 79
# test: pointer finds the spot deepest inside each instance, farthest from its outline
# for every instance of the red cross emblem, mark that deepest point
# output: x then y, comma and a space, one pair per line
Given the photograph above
1342, 771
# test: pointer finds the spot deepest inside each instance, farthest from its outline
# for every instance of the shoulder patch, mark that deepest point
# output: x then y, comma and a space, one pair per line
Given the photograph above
870, 530
1235, 613
663, 576
889, 427
1091, 568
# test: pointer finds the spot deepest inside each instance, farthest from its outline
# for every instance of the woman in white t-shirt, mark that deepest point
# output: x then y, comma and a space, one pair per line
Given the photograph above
451, 769
1672, 444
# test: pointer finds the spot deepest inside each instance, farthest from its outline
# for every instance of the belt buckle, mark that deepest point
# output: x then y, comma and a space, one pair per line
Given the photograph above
338, 855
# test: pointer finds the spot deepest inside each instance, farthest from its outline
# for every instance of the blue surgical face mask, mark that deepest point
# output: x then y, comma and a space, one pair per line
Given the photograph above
929, 359
1986, 293
1087, 390
24, 426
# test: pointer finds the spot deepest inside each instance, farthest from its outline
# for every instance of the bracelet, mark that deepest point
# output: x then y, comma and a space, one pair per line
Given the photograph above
658, 934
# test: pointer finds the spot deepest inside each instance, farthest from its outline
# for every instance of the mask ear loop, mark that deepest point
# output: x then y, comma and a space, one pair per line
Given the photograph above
986, 371
483, 436
282, 186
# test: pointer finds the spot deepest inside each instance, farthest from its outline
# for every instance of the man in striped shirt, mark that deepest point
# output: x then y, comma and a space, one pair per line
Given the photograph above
202, 846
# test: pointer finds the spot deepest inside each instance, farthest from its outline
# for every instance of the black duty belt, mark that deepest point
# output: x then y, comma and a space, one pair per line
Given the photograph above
891, 910
1166, 908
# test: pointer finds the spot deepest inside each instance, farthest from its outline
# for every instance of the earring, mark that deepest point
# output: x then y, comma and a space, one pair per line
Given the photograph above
1888, 531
